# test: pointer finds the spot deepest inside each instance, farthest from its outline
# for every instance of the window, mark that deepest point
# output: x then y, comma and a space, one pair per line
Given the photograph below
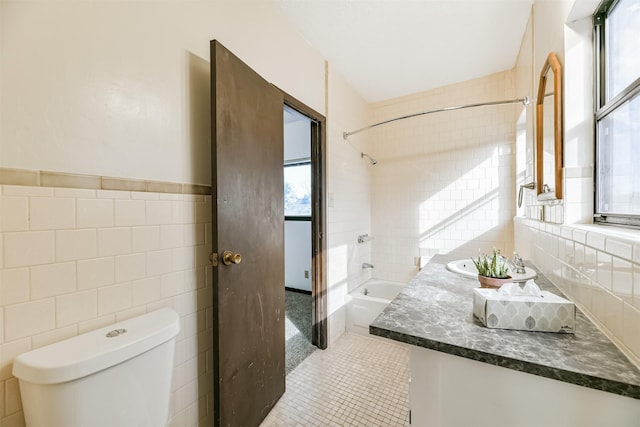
617, 116
297, 191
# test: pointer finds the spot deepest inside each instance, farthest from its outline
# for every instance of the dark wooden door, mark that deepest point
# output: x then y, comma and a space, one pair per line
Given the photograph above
248, 219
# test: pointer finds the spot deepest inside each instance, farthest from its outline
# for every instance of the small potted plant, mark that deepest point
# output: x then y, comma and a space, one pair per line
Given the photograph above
492, 270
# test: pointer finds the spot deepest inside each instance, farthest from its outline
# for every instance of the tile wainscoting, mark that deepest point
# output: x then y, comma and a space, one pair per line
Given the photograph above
76, 259
598, 267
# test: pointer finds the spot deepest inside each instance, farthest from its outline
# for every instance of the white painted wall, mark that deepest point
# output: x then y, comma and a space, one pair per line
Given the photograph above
122, 88
523, 78
297, 259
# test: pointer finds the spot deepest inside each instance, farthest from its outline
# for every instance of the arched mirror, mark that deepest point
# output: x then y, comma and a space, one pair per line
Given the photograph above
549, 131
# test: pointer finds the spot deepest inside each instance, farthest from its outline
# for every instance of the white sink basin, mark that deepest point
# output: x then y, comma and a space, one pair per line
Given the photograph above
465, 267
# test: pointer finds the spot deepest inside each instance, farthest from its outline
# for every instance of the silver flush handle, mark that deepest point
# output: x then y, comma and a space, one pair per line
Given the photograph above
115, 333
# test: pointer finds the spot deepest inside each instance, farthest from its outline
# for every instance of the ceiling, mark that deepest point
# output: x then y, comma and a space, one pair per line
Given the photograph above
390, 48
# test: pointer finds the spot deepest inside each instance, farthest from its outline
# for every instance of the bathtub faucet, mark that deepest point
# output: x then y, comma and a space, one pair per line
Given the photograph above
366, 265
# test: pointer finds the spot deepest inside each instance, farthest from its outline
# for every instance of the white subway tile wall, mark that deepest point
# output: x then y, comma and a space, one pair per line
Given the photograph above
94, 213
601, 276
73, 260
348, 199
444, 182
23, 249
349, 213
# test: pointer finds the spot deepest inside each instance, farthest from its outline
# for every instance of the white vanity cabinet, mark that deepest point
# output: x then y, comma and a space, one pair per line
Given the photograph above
464, 374
448, 391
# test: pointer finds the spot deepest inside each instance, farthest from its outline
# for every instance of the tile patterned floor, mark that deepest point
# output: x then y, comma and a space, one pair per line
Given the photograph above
297, 328
357, 381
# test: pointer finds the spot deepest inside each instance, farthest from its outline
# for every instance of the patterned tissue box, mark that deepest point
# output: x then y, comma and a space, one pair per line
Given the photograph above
549, 313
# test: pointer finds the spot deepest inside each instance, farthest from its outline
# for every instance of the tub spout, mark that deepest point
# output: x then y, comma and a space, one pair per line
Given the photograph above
366, 265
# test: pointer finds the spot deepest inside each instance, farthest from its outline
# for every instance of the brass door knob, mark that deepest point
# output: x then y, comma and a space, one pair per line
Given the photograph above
229, 258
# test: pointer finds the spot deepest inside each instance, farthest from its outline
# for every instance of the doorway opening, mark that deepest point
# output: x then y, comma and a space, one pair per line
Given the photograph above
305, 291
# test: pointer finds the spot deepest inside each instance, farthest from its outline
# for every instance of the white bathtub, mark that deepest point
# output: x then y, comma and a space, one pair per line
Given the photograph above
363, 309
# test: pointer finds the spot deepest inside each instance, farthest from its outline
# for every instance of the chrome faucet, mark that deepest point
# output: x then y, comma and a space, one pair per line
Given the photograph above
518, 263
366, 265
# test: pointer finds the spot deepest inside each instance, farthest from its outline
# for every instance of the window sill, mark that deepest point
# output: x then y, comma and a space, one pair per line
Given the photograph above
620, 242
609, 230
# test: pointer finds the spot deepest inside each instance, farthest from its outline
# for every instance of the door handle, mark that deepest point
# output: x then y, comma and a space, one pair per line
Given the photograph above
229, 258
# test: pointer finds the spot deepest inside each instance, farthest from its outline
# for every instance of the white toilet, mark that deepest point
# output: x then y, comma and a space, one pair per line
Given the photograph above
119, 375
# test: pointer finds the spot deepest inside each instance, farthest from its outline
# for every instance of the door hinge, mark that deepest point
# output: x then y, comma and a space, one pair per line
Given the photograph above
213, 257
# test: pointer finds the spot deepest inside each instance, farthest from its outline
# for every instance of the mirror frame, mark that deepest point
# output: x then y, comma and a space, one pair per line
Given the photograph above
551, 64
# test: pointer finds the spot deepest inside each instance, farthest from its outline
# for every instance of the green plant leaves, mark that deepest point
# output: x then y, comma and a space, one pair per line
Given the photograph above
492, 265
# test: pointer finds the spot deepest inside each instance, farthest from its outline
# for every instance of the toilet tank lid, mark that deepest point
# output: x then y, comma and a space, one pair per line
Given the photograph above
100, 349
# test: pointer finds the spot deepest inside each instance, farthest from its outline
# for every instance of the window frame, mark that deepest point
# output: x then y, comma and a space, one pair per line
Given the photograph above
602, 109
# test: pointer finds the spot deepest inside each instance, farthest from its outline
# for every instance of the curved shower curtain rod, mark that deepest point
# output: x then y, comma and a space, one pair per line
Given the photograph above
524, 100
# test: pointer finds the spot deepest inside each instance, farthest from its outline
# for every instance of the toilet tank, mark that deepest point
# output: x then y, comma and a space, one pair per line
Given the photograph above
119, 375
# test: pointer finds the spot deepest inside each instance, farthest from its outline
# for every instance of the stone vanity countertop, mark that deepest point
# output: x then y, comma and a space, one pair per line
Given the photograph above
435, 311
